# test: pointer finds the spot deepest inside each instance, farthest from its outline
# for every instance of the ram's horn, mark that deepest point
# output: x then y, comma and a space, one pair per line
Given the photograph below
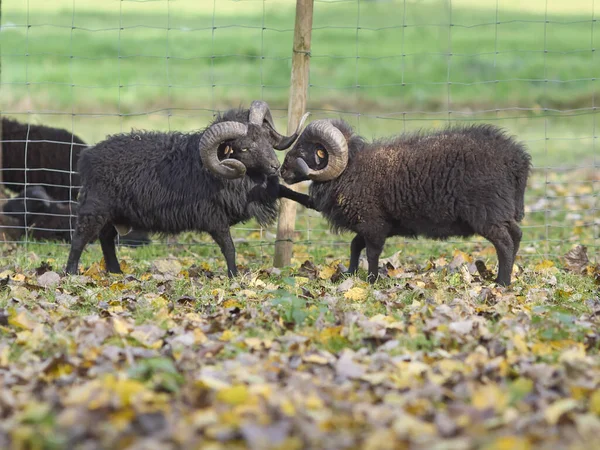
209, 145
287, 141
334, 142
260, 113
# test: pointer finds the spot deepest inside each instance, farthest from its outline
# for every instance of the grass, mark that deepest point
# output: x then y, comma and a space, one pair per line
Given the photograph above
161, 65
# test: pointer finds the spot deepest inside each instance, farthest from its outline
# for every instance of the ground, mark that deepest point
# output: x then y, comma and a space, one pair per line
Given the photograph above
172, 354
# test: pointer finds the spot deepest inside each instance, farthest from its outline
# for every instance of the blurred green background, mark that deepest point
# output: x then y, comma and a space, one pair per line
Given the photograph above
99, 67
387, 60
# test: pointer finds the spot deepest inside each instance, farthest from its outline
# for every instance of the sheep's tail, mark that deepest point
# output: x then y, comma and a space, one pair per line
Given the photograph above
522, 174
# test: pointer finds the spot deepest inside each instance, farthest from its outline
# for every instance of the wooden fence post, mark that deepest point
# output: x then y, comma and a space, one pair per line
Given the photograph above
296, 108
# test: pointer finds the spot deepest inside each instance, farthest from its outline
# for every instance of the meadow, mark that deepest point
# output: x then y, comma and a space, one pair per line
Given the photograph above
172, 354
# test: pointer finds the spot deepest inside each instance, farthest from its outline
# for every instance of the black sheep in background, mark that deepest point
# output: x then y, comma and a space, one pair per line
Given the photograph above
52, 153
173, 182
52, 156
458, 181
45, 217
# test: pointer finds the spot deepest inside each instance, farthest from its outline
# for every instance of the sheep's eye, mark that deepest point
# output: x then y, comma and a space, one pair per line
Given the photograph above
244, 149
321, 153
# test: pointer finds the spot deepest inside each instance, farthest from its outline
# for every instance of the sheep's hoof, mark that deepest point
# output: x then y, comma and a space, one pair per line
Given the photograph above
503, 283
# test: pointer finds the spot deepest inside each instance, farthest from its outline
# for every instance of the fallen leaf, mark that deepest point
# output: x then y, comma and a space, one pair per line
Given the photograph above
357, 294
577, 259
559, 408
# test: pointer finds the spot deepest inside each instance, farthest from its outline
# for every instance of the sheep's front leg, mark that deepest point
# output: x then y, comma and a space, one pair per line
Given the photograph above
223, 239
356, 247
303, 199
374, 249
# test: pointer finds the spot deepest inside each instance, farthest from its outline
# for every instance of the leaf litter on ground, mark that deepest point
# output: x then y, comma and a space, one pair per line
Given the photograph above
433, 356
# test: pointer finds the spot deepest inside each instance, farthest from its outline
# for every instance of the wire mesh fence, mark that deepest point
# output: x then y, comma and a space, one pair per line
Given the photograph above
386, 67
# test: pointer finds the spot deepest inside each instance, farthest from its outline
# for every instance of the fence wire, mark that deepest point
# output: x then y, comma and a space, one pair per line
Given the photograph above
384, 66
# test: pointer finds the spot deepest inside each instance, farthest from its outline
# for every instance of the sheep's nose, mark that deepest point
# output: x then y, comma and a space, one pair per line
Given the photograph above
275, 168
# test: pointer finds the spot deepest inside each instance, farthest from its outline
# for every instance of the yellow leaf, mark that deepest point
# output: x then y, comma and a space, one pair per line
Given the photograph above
234, 395
287, 408
328, 333
541, 349
380, 439
19, 277
465, 257
248, 294
121, 326
118, 286
231, 303
328, 271
94, 271
315, 359
21, 320
199, 336
545, 264
226, 336
595, 403
257, 344
357, 294
520, 344
490, 396
120, 419
146, 339
4, 355
313, 402
557, 409
509, 443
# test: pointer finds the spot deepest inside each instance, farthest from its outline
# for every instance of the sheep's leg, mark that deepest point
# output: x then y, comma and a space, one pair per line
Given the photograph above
87, 228
223, 239
503, 242
107, 242
516, 234
356, 247
303, 199
374, 249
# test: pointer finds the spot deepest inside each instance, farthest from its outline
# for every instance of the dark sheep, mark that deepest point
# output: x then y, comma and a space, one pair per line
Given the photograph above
46, 218
173, 182
52, 156
460, 181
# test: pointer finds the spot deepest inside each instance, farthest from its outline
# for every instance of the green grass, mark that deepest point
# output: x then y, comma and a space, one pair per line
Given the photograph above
79, 70
144, 59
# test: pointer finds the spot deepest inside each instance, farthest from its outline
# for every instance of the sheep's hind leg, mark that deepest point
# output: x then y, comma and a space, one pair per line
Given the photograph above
374, 249
356, 247
516, 234
87, 229
503, 242
107, 242
223, 239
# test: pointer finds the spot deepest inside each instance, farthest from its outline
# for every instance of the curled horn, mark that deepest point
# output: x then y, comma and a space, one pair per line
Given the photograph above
260, 112
286, 142
337, 148
209, 144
